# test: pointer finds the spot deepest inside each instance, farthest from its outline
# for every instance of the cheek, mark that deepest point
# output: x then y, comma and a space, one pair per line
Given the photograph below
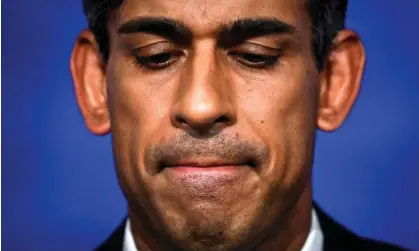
282, 110
139, 105
138, 109
284, 102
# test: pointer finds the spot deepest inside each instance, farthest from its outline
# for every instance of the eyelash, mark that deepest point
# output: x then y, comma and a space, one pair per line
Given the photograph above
262, 61
246, 59
146, 61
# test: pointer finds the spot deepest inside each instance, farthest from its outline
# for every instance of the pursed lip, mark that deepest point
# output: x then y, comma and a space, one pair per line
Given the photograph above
204, 163
199, 175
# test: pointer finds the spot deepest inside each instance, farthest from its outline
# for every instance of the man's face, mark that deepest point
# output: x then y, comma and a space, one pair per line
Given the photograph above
212, 115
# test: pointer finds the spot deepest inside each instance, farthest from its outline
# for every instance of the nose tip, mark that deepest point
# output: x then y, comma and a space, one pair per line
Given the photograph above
203, 120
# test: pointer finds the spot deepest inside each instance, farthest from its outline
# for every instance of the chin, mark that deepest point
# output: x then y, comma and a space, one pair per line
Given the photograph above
210, 228
207, 240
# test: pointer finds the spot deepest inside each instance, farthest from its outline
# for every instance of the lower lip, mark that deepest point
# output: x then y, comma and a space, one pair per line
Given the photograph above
202, 180
212, 169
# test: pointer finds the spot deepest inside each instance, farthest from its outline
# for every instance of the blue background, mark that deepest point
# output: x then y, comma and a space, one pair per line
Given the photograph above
59, 190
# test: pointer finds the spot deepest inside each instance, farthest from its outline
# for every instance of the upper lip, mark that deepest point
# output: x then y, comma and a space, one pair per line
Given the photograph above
204, 162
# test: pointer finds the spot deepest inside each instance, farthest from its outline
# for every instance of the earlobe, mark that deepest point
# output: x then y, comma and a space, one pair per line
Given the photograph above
89, 77
340, 80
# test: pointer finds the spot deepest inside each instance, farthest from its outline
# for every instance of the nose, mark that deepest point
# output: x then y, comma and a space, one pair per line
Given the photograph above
204, 105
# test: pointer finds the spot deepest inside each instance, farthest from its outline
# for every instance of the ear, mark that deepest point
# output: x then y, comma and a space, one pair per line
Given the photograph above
340, 80
89, 76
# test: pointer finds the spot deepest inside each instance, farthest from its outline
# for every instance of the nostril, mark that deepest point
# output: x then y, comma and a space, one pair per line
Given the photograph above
181, 120
221, 120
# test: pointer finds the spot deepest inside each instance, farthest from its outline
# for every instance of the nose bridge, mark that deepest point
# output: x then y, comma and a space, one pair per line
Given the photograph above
203, 102
203, 84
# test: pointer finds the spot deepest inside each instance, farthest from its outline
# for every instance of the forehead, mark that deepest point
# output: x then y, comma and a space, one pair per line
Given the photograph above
203, 16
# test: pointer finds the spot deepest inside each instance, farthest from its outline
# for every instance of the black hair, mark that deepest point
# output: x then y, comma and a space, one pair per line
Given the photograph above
327, 19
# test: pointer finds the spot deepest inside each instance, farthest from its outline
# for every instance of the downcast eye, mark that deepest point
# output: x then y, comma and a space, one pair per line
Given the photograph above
157, 61
254, 60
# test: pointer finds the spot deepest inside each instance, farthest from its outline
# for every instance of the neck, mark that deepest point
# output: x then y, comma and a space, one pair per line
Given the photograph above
145, 238
292, 233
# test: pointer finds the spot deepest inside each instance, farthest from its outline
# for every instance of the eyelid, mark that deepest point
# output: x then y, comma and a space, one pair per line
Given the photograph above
146, 59
155, 48
257, 48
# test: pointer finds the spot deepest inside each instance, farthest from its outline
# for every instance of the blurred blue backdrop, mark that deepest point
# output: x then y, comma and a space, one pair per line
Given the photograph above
59, 190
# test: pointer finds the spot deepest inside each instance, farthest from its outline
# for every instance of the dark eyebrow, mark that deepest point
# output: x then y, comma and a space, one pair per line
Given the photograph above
243, 29
230, 34
165, 27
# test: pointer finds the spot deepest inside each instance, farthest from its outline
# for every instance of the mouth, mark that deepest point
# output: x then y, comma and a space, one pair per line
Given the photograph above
205, 164
200, 176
